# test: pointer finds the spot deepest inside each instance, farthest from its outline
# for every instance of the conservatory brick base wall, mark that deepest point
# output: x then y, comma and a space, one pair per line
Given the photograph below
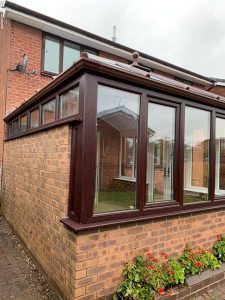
86, 265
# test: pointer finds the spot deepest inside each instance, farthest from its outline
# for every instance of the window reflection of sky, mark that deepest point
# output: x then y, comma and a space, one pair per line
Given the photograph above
161, 119
116, 98
197, 126
220, 128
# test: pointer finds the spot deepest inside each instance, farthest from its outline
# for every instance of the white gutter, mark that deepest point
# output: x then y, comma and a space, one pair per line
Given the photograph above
219, 83
91, 42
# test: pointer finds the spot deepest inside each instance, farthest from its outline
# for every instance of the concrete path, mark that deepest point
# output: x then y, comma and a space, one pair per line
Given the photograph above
20, 278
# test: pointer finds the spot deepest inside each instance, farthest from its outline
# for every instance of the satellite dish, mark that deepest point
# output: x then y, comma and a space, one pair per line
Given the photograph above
24, 63
21, 67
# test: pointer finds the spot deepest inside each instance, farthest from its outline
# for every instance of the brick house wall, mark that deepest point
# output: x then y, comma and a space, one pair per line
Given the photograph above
84, 265
36, 181
15, 40
20, 87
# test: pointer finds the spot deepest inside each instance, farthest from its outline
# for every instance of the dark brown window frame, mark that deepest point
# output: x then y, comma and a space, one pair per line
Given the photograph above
58, 121
61, 41
22, 116
42, 111
83, 125
81, 207
222, 116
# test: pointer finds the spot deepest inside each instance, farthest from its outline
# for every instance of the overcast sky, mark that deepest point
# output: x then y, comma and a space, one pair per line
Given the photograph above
190, 34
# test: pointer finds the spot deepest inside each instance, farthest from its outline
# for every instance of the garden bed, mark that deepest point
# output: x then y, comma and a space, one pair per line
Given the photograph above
187, 276
197, 285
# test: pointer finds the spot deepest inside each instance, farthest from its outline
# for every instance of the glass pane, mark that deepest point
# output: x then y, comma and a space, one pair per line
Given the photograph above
23, 124
51, 59
16, 128
48, 112
160, 152
71, 53
10, 130
69, 103
220, 157
196, 155
117, 129
34, 118
128, 152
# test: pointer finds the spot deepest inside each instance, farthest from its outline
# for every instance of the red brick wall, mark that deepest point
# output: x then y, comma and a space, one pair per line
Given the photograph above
24, 39
15, 40
109, 155
35, 185
85, 265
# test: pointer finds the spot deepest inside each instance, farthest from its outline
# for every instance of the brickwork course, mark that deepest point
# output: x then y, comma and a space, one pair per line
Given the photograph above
86, 265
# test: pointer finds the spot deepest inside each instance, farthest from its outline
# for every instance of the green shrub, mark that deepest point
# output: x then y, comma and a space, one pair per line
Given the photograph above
148, 277
219, 248
194, 262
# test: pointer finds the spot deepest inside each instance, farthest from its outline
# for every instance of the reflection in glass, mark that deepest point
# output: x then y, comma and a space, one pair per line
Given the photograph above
51, 62
128, 153
117, 127
23, 123
48, 112
160, 152
196, 155
69, 103
71, 53
10, 130
16, 128
34, 118
220, 157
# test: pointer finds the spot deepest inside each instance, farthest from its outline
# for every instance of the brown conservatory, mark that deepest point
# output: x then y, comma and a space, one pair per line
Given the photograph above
143, 149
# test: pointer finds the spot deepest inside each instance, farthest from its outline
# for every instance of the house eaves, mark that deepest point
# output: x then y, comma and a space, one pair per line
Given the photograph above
67, 31
104, 67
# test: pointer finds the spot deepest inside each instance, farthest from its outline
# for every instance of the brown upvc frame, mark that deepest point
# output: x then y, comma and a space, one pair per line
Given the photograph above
42, 111
61, 41
22, 116
83, 163
58, 121
217, 198
83, 152
176, 106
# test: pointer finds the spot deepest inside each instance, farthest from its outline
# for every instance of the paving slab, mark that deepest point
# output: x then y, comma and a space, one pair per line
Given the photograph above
20, 278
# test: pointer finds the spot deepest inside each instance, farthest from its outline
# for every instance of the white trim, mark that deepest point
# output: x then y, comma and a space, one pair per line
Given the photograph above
91, 42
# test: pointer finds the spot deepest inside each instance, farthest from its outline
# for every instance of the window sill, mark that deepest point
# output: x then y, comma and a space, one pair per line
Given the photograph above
76, 227
197, 189
126, 179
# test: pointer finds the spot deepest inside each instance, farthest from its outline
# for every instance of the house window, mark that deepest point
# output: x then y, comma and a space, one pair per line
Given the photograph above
51, 54
10, 130
220, 157
60, 54
71, 53
48, 112
160, 152
69, 103
23, 123
16, 127
196, 155
117, 135
34, 118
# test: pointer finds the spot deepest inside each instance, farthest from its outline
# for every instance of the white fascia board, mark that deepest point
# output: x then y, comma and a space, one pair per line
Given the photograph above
93, 43
219, 83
